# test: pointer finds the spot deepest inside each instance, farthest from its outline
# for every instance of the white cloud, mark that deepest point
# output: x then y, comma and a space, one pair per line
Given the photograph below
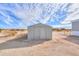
73, 14
28, 16
8, 20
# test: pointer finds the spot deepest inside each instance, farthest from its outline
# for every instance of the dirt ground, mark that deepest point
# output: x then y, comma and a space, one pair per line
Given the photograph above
60, 45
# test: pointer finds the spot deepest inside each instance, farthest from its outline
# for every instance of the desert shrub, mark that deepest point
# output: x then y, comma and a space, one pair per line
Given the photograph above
0, 30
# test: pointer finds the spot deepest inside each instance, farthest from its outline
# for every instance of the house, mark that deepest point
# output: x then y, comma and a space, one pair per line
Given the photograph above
75, 28
39, 32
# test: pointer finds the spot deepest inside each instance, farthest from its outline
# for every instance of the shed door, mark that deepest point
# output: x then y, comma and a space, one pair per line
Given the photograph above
37, 33
42, 33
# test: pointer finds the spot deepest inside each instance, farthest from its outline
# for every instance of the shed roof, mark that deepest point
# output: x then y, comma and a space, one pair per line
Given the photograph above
40, 25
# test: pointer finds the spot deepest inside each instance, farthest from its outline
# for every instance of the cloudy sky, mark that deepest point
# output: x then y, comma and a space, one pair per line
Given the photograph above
21, 15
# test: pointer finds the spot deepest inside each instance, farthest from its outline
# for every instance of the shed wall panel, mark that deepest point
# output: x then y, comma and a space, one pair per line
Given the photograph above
39, 32
42, 33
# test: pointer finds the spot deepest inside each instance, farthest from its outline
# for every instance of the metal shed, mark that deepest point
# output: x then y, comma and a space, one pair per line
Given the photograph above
75, 28
39, 31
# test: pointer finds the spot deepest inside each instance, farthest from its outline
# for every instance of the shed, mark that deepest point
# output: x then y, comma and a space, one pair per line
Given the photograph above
39, 32
75, 28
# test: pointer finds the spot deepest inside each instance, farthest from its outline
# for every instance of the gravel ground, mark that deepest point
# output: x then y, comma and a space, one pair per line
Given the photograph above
60, 45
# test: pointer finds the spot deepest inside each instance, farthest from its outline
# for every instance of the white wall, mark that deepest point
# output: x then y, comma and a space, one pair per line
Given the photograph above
75, 33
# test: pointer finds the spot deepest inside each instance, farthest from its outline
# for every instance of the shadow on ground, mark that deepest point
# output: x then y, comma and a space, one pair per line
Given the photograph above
73, 39
19, 43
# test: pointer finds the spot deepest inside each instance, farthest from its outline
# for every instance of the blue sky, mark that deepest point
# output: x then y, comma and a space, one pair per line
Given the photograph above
22, 15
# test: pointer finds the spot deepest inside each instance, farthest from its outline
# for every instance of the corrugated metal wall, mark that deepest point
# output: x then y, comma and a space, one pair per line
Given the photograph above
40, 32
75, 26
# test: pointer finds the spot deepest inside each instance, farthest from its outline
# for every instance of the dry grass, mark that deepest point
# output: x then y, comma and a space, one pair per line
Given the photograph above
7, 32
